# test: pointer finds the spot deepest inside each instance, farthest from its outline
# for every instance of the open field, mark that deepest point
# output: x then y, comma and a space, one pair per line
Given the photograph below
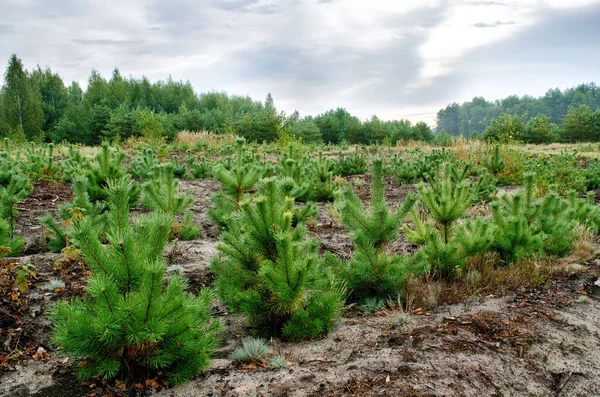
495, 322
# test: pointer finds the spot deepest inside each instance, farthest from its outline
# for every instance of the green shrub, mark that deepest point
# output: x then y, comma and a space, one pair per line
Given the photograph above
268, 270
131, 320
372, 272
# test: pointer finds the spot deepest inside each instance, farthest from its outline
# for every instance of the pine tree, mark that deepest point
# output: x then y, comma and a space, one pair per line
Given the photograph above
235, 183
58, 230
74, 165
10, 245
268, 270
322, 172
495, 164
21, 106
161, 193
200, 169
132, 323
16, 190
585, 210
179, 169
108, 167
374, 271
141, 167
354, 164
39, 162
446, 245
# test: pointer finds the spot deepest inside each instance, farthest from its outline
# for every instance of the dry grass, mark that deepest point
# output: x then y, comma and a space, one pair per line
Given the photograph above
209, 138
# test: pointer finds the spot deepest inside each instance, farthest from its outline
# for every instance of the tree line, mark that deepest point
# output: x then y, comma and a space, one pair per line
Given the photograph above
37, 105
571, 115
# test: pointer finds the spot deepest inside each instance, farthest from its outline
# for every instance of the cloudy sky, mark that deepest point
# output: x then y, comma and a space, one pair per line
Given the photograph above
396, 59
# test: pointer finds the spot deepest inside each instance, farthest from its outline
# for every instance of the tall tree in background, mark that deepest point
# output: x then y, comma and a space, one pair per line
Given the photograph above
21, 105
54, 95
578, 125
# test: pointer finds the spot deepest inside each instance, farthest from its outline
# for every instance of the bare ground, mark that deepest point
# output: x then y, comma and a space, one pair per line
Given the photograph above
537, 342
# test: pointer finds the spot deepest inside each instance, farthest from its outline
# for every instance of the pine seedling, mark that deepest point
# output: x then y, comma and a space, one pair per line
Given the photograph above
495, 164
187, 229
445, 245
268, 269
235, 184
39, 162
10, 245
200, 169
143, 167
108, 167
161, 192
353, 164
296, 170
10, 196
179, 169
131, 321
526, 225
373, 271
322, 172
515, 237
403, 171
585, 210
57, 230
74, 165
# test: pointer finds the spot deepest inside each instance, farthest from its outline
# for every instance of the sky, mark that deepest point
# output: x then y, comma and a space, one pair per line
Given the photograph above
395, 59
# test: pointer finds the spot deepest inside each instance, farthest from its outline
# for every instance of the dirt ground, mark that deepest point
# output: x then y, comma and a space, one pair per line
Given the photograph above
529, 342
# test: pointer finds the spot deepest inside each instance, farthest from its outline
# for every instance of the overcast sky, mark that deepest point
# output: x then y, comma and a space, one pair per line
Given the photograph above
396, 59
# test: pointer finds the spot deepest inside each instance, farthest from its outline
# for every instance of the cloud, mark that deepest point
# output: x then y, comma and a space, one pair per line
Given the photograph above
394, 59
493, 24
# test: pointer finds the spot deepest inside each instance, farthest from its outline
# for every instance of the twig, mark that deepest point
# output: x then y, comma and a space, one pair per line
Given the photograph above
563, 384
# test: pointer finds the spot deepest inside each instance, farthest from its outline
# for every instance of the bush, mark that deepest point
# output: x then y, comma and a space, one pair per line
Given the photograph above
268, 270
131, 320
373, 272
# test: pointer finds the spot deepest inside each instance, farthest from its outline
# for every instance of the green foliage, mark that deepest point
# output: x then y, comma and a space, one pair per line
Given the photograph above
353, 164
200, 169
505, 128
322, 172
446, 245
591, 173
10, 245
131, 320
302, 188
562, 171
10, 195
585, 210
179, 169
373, 271
235, 183
20, 104
268, 270
142, 167
108, 167
540, 130
525, 225
57, 230
39, 162
494, 164
74, 165
515, 236
160, 192
187, 229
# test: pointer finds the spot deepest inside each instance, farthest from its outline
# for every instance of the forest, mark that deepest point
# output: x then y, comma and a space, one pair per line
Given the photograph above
38, 106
